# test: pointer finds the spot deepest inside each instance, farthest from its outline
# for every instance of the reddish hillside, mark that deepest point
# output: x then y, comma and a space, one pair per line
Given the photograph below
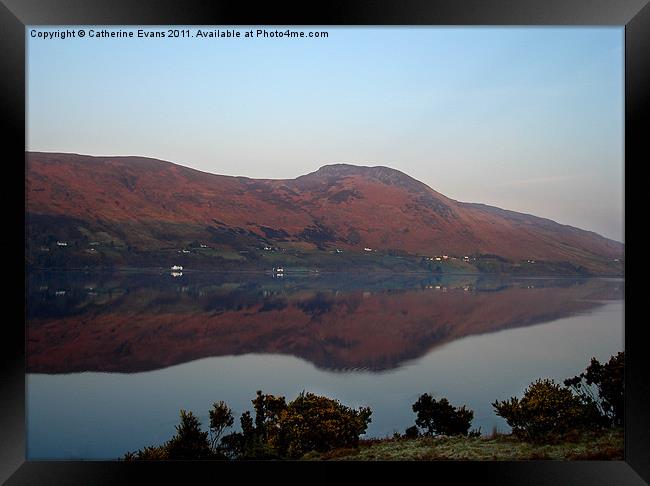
146, 203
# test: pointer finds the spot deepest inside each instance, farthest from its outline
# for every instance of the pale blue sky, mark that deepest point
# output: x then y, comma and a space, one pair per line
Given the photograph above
528, 119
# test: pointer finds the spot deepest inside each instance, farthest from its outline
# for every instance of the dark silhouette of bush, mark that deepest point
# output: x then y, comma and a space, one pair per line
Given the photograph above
279, 430
156, 453
232, 445
221, 418
547, 409
308, 423
608, 379
440, 417
190, 442
253, 442
267, 413
412, 432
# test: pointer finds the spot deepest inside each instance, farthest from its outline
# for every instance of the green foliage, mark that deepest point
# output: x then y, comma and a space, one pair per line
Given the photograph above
608, 379
547, 409
308, 423
221, 417
156, 453
267, 412
190, 442
316, 423
253, 442
440, 417
232, 445
246, 422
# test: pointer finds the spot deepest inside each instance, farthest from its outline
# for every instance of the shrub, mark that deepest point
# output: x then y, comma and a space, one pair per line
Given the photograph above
609, 383
253, 441
267, 412
148, 453
412, 432
316, 423
440, 417
279, 430
546, 409
190, 442
220, 418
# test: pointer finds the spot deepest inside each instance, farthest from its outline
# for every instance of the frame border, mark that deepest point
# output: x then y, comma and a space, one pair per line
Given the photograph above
15, 15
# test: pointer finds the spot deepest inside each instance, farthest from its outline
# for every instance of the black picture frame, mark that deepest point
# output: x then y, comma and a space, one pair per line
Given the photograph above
16, 14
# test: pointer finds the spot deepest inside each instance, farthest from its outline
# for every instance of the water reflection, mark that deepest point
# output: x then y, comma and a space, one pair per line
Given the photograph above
139, 322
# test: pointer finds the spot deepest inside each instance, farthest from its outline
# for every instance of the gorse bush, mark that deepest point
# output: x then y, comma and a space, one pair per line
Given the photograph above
547, 408
221, 418
155, 453
608, 380
278, 430
308, 423
257, 436
189, 442
316, 423
592, 400
440, 417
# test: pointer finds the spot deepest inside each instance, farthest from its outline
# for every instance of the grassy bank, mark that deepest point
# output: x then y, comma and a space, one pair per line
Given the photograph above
607, 445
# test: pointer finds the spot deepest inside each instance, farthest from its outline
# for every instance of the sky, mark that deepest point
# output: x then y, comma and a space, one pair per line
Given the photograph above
527, 119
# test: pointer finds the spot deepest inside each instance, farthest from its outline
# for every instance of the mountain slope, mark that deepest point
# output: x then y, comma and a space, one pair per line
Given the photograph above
132, 205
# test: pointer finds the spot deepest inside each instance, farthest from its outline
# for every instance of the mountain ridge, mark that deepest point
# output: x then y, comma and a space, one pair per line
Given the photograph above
343, 206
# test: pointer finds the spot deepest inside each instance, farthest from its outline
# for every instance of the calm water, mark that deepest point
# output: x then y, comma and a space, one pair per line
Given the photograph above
113, 357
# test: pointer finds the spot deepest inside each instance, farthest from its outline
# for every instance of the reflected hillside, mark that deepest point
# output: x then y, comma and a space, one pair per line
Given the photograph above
122, 323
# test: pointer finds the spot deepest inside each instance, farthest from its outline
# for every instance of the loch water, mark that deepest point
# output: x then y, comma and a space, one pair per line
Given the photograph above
112, 357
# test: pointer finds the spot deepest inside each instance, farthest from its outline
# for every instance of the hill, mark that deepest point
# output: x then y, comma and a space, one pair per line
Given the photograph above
87, 211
